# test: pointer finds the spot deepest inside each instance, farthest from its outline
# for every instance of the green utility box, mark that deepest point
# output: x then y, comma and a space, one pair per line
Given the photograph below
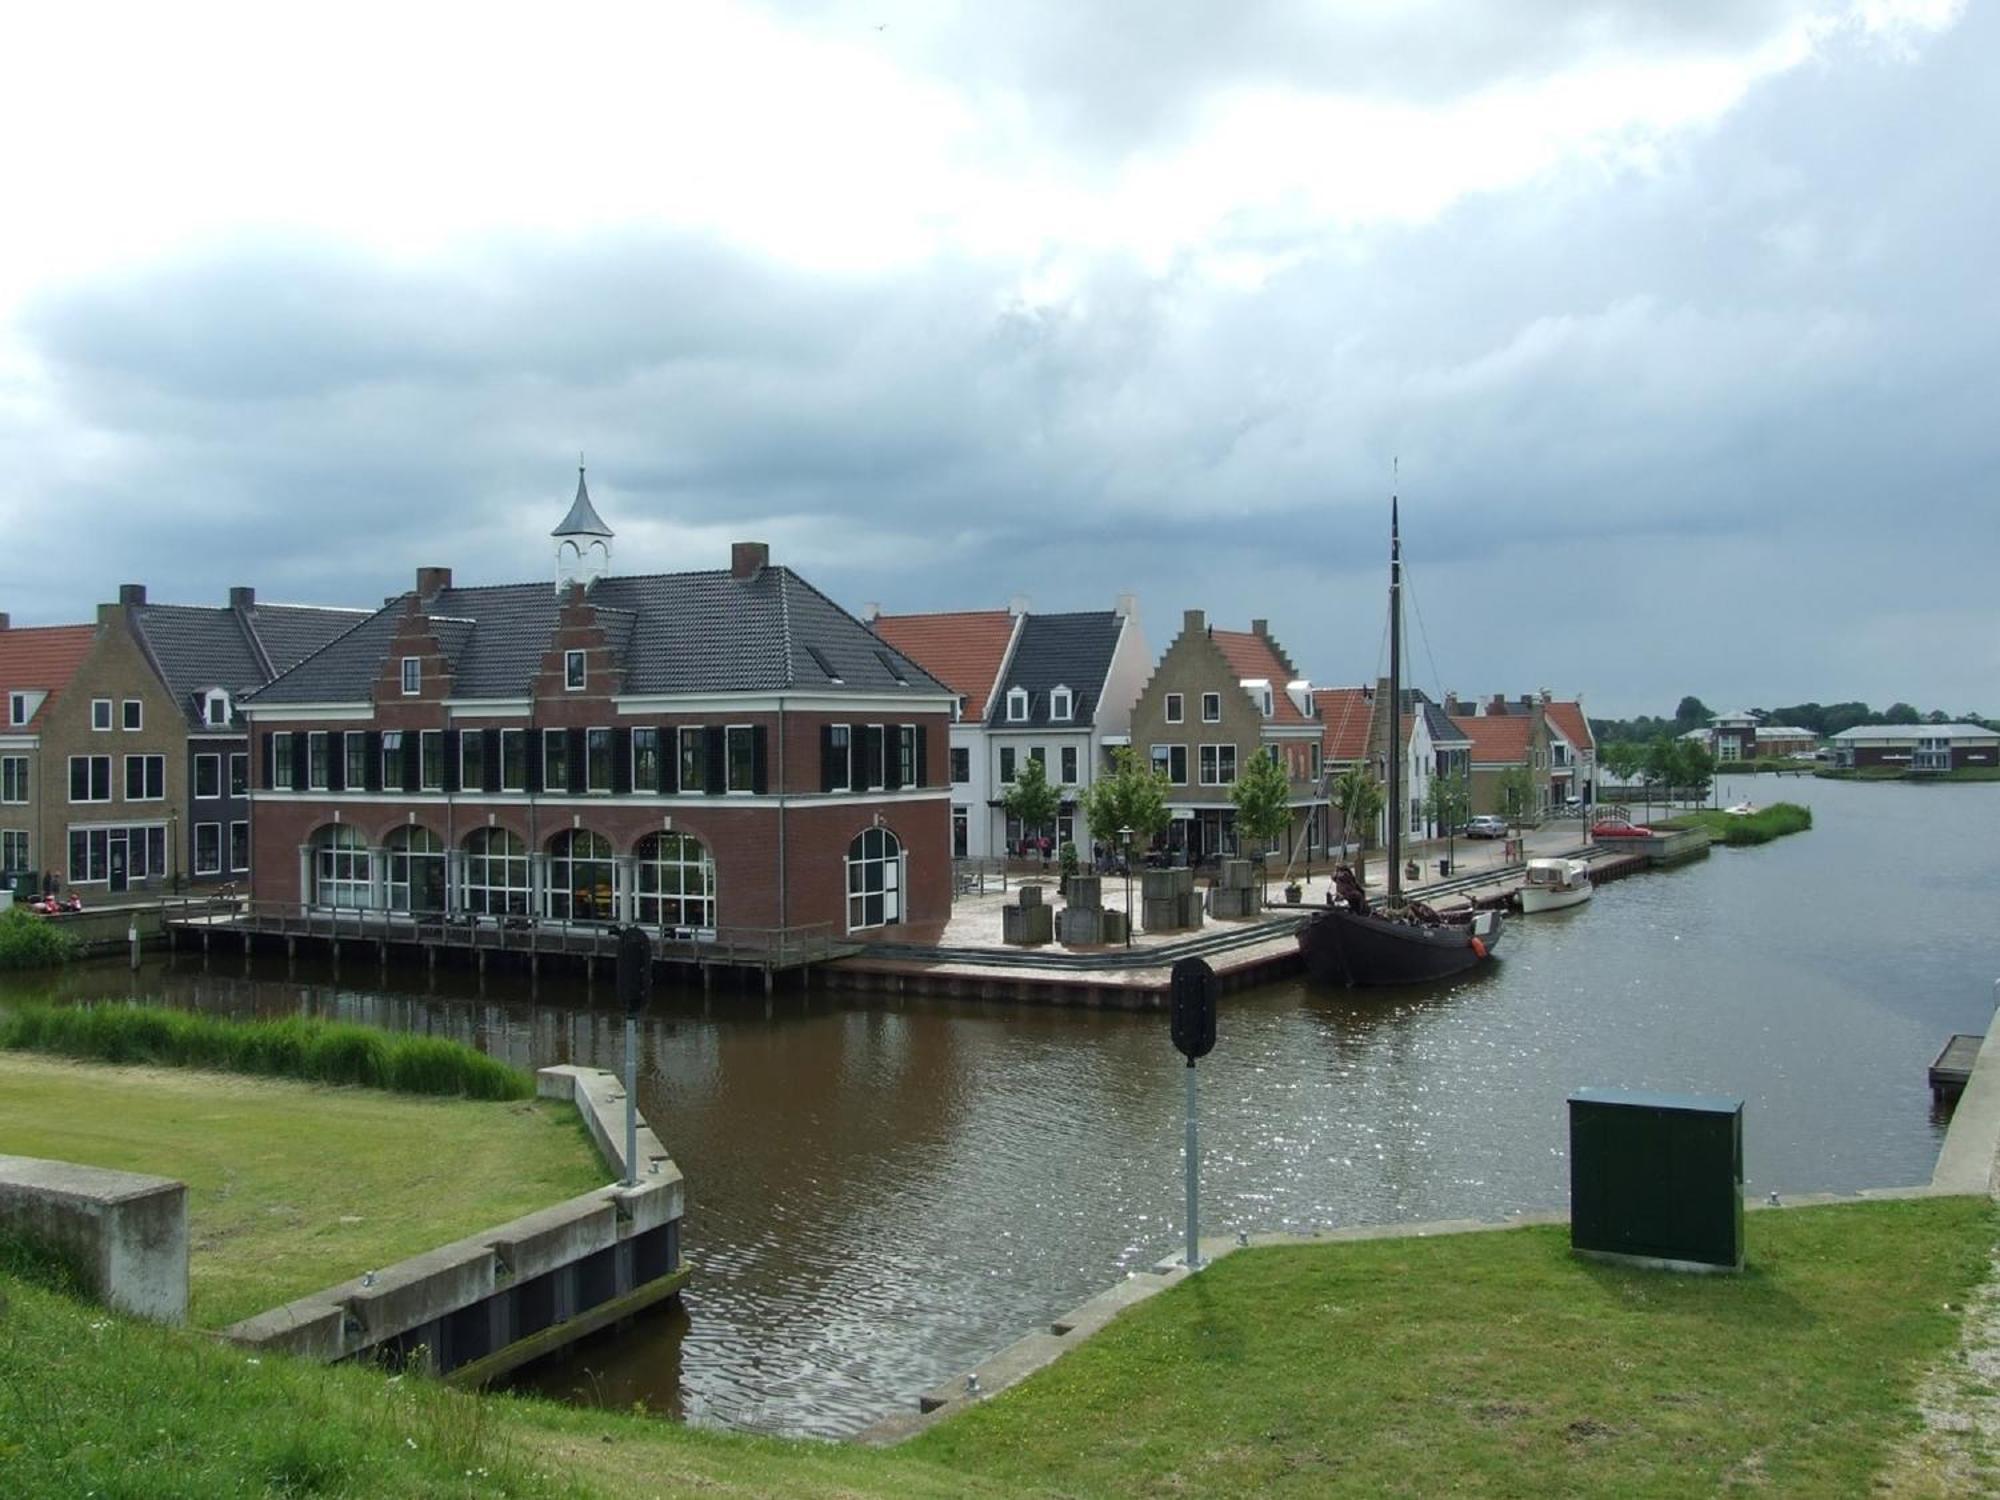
1656, 1179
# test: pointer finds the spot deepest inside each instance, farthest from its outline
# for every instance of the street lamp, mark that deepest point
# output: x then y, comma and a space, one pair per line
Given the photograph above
1125, 838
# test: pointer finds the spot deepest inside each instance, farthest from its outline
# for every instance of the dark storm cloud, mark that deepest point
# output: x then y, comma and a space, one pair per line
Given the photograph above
1724, 426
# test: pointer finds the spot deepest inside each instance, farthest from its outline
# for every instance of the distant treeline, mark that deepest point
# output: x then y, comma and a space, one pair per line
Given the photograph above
1823, 719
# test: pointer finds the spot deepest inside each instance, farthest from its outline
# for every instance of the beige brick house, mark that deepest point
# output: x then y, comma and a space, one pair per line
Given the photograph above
36, 665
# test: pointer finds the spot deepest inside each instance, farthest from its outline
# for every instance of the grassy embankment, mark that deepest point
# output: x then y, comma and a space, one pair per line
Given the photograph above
1482, 1364
1759, 827
1896, 773
292, 1187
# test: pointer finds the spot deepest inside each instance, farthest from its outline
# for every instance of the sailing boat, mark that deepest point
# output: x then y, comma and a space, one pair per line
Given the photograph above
1405, 942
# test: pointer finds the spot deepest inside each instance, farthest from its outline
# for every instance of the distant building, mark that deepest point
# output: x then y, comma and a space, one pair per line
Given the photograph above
1785, 740
36, 665
1917, 747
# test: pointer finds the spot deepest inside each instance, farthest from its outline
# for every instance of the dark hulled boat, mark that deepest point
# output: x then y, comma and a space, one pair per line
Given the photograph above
1405, 942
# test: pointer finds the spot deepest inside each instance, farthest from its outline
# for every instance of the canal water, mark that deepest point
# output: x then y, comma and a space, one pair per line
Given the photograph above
883, 1192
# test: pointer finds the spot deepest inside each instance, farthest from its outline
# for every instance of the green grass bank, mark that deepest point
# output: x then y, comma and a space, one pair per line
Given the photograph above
31, 942
1759, 827
1483, 1364
300, 1047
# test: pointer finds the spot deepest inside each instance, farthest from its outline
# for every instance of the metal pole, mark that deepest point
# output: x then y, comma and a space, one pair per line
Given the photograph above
1193, 1175
631, 1101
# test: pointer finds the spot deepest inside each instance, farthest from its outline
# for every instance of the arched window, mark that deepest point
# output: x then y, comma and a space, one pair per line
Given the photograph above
416, 871
496, 873
343, 869
581, 872
874, 880
676, 882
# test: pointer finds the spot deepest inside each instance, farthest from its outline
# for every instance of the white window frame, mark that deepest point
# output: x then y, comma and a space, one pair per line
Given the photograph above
215, 709
1071, 763
89, 777
1154, 755
1176, 708
520, 782
576, 671
562, 737
1009, 764
100, 715
235, 868
847, 759
229, 784
632, 778
1211, 701
425, 739
729, 733
214, 867
906, 738
590, 785
1017, 705
1062, 705
1209, 765
14, 849
413, 676
215, 762
692, 865
467, 738
894, 878
132, 714
322, 741
14, 779
17, 709
956, 752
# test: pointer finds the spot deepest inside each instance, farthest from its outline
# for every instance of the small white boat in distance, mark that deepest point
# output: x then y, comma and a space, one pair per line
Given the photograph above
1555, 883
1741, 809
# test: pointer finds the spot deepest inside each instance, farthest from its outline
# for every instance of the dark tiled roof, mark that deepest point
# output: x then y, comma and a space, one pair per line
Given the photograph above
676, 633
582, 519
196, 647
1072, 651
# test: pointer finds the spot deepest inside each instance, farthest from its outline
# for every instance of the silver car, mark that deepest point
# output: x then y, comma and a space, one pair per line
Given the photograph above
1487, 826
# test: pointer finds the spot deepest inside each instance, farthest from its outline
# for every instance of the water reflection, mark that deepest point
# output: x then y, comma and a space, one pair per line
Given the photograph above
881, 1194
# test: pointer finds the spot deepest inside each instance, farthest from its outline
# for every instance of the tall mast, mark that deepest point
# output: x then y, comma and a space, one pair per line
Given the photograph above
1395, 708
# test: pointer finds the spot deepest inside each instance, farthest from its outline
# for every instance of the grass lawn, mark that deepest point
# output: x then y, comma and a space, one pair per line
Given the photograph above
1484, 1364
1759, 827
293, 1186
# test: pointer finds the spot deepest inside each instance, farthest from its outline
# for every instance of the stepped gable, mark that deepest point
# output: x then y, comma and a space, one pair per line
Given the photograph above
963, 649
40, 658
1069, 650
669, 632
1252, 654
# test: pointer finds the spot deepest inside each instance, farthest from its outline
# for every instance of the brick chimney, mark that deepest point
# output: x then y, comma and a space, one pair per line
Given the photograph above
243, 598
431, 581
1193, 622
131, 593
5, 622
1498, 707
1261, 629
748, 559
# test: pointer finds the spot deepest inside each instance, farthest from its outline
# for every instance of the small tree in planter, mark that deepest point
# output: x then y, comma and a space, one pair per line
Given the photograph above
1360, 798
1130, 795
1517, 793
1263, 798
1447, 800
1067, 854
1031, 800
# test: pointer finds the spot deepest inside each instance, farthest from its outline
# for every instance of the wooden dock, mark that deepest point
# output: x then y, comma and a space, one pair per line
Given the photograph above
1953, 1068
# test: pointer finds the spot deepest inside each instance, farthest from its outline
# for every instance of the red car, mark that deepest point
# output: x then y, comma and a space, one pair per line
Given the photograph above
1618, 828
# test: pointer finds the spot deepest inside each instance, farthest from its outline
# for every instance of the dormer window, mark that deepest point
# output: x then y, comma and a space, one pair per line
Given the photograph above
215, 709
413, 676
1060, 705
1017, 705
1266, 701
573, 670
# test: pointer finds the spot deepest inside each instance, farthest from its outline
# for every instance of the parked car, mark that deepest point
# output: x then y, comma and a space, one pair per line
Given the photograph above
1487, 826
1619, 828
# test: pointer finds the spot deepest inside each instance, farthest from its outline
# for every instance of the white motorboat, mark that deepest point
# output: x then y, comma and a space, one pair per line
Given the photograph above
1555, 883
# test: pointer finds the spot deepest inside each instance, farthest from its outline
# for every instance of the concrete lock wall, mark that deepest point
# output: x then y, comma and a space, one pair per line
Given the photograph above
125, 1234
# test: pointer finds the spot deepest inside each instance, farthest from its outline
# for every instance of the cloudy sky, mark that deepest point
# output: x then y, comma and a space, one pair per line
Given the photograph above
1679, 319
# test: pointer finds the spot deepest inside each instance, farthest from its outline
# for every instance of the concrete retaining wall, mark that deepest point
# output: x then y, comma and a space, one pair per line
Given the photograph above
125, 1234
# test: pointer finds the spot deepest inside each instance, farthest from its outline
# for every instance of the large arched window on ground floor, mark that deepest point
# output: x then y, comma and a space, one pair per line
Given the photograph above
582, 874
874, 880
676, 877
343, 869
496, 873
416, 871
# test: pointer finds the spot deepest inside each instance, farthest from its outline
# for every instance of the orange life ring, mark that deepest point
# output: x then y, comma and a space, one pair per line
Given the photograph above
1478, 948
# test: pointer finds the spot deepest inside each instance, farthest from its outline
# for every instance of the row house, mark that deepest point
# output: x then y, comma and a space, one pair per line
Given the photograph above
1572, 754
143, 755
687, 751
1505, 737
1057, 689
1355, 731
36, 665
1217, 698
1919, 748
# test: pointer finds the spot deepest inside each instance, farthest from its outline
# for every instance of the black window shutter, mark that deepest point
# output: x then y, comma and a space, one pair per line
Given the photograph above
451, 760
715, 752
270, 761
491, 757
871, 756
890, 737
579, 771
621, 760
336, 762
670, 758
300, 750
827, 780
373, 741
923, 755
413, 760
760, 755
531, 756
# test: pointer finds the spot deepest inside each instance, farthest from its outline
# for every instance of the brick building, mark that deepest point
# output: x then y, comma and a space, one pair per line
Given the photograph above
36, 664
689, 751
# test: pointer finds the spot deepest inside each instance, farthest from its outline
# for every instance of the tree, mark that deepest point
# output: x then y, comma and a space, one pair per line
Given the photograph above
1693, 767
1446, 802
1659, 768
1517, 793
1030, 798
1263, 798
1359, 796
1692, 713
1900, 713
1622, 759
1130, 795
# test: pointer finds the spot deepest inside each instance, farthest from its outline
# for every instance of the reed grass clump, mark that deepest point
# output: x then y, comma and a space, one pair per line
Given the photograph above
331, 1052
31, 942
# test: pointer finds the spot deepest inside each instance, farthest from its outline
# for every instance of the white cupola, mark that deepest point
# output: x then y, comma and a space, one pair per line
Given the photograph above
583, 541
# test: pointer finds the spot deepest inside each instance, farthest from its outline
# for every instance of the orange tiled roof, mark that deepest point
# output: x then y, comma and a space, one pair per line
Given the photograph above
1498, 738
41, 656
1345, 714
963, 649
1252, 656
1568, 717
